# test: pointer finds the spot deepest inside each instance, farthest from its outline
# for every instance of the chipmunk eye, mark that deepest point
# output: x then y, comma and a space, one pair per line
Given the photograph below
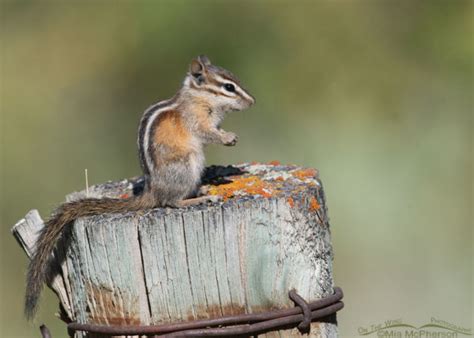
229, 87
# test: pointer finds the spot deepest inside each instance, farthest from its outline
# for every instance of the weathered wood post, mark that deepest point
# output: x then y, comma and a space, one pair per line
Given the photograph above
270, 234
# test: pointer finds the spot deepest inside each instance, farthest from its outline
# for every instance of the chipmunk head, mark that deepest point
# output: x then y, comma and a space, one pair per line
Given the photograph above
217, 86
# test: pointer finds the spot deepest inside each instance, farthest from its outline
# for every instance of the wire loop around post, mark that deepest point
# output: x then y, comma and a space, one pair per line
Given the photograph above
305, 325
301, 316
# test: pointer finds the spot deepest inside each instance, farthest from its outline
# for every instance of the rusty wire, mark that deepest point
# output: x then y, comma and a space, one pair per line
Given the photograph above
305, 325
322, 310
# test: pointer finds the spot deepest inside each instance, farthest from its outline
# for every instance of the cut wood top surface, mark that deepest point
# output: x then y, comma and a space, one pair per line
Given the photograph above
240, 182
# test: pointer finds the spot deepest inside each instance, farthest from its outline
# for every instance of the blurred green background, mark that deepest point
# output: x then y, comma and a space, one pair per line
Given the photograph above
376, 94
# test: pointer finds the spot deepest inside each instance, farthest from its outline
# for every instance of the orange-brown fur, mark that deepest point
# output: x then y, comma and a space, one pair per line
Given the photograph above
172, 133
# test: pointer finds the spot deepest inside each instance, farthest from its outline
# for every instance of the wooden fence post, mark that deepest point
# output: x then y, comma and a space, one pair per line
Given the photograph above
270, 234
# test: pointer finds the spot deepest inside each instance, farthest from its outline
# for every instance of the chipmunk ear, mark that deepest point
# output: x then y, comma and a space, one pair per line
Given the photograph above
204, 60
198, 66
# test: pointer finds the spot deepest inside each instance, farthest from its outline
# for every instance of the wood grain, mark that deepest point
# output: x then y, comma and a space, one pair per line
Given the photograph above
270, 234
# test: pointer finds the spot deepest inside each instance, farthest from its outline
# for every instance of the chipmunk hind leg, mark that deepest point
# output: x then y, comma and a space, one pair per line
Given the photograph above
175, 182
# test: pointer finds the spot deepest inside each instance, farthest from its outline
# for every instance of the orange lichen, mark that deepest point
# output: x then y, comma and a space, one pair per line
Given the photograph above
304, 173
251, 185
124, 195
279, 178
274, 163
291, 202
313, 204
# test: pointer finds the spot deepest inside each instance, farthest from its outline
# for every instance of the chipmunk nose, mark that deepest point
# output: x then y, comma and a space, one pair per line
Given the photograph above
251, 100
247, 98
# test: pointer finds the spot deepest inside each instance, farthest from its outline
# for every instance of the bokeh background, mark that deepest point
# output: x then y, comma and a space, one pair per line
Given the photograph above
376, 94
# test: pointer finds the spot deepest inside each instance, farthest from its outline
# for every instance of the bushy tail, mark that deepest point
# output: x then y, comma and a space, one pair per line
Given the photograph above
53, 230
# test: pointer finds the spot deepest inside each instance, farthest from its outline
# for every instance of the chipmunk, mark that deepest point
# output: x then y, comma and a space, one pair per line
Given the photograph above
171, 137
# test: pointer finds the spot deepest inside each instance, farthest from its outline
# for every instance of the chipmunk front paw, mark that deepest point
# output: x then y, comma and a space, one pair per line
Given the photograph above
230, 139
